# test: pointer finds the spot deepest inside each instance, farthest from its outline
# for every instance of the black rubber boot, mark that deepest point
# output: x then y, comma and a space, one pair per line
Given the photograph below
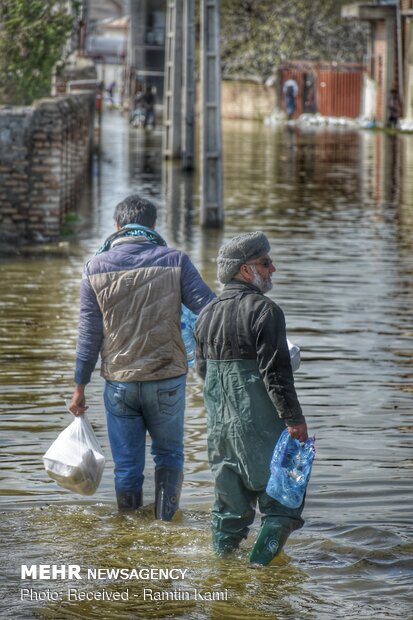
168, 485
128, 500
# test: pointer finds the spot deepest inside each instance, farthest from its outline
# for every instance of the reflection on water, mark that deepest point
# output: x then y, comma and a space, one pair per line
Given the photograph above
337, 207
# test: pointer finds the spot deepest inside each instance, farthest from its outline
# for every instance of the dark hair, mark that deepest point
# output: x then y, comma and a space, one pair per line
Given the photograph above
135, 210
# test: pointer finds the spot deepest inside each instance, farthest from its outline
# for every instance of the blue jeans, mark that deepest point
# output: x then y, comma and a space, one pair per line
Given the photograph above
134, 407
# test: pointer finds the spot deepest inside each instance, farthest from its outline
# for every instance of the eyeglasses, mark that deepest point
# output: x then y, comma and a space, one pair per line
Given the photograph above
266, 263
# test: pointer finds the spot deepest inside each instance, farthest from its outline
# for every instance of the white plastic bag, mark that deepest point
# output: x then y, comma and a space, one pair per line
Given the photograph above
75, 459
295, 355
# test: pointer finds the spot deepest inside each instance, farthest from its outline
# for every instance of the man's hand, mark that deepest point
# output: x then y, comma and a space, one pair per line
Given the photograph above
298, 432
78, 403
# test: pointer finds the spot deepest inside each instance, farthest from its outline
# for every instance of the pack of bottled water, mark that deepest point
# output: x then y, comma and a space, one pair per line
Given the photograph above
188, 319
290, 470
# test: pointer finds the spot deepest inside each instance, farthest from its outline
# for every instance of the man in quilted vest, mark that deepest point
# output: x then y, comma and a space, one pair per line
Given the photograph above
130, 313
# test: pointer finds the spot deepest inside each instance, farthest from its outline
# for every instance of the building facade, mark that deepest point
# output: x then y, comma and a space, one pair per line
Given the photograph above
388, 80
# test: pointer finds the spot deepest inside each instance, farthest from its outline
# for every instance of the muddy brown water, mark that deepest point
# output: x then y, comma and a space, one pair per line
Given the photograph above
337, 206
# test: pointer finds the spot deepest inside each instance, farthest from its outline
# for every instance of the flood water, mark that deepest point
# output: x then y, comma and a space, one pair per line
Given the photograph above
337, 206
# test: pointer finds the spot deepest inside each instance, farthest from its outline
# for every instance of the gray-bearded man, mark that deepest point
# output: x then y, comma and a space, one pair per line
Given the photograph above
242, 353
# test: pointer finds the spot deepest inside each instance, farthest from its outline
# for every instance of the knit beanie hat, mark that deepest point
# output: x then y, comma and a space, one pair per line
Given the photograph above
238, 251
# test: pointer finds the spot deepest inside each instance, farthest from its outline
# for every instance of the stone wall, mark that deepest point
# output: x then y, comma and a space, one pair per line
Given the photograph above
243, 100
45, 152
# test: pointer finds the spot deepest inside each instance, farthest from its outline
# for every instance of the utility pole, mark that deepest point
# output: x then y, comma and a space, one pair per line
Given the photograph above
173, 81
188, 83
212, 212
137, 32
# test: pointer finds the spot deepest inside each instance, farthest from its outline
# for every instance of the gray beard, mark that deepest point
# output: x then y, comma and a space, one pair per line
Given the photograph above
264, 284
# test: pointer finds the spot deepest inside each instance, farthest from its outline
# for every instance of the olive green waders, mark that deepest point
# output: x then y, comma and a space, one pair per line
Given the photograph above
243, 428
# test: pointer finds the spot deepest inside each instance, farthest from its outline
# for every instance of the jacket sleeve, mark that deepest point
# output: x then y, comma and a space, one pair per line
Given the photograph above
200, 361
195, 293
274, 363
90, 333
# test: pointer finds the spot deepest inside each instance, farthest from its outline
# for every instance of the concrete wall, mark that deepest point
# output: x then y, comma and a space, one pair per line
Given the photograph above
45, 153
246, 100
369, 98
243, 99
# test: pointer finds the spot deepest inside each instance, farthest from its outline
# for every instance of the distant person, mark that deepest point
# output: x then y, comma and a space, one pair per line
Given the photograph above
139, 95
138, 113
149, 105
98, 102
111, 91
309, 96
394, 108
290, 92
242, 354
130, 313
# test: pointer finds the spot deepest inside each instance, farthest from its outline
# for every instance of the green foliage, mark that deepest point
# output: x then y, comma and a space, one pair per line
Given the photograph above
258, 35
32, 37
70, 224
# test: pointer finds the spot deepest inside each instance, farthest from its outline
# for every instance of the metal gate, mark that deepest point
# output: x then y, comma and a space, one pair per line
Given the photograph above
331, 89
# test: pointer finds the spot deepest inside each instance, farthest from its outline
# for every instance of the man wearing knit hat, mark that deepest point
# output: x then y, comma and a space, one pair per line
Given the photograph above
242, 353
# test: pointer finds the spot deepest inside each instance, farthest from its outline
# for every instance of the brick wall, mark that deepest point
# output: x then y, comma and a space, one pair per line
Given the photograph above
45, 152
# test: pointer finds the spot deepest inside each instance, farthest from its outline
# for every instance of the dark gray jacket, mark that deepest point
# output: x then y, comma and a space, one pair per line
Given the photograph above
243, 324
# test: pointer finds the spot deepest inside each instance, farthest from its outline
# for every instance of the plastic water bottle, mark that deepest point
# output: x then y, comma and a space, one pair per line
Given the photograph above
188, 319
290, 470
